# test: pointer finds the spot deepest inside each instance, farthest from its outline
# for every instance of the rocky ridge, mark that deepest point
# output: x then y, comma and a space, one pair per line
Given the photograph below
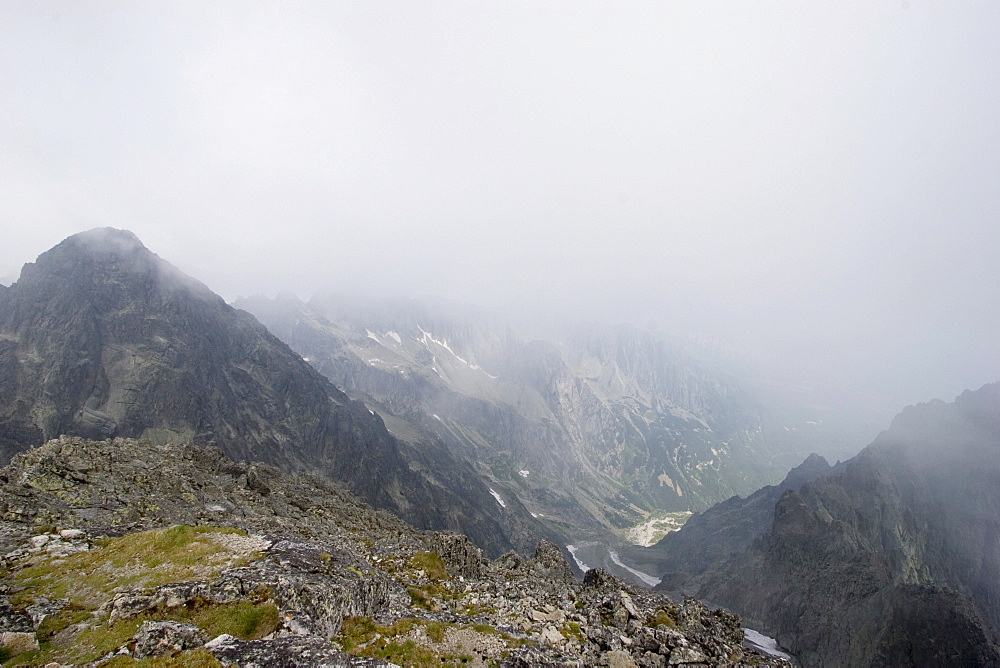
101, 338
891, 559
175, 551
727, 528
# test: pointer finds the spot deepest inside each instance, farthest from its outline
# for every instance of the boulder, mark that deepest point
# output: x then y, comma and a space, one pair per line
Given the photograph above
165, 638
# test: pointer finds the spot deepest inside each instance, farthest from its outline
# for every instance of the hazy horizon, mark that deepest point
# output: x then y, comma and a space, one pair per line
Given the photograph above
811, 185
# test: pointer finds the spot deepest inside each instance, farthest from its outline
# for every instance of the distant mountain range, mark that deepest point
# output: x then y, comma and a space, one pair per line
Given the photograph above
595, 429
101, 338
889, 559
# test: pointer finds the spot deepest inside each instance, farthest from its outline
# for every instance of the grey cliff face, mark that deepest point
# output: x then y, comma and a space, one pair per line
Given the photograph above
101, 338
892, 560
730, 527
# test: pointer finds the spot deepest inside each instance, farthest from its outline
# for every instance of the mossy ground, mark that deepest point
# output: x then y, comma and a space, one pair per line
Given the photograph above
432, 585
146, 559
663, 617
402, 642
79, 633
196, 658
431, 564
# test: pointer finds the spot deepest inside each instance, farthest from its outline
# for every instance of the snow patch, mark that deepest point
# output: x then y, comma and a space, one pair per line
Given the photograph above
305, 359
524, 474
476, 367
372, 336
426, 338
572, 552
434, 415
645, 577
395, 336
497, 497
764, 643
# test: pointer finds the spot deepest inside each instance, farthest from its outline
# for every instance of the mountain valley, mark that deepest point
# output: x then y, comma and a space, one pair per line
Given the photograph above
598, 430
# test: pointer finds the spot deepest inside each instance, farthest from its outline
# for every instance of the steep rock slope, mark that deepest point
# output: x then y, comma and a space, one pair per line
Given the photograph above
893, 560
592, 427
213, 562
727, 528
100, 337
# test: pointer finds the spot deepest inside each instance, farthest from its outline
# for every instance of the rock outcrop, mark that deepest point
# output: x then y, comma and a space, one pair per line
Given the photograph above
122, 549
101, 338
708, 539
894, 559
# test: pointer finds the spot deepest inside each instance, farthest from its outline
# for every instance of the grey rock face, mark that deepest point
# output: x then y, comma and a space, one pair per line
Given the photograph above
16, 621
891, 560
101, 338
460, 556
549, 560
709, 538
165, 639
290, 652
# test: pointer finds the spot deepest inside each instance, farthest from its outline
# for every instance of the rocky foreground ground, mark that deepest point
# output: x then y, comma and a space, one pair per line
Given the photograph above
121, 551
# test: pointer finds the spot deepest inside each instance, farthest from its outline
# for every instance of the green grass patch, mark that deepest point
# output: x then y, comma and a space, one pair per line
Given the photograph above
423, 597
66, 617
662, 616
146, 559
399, 644
244, 620
427, 596
485, 629
84, 647
572, 631
430, 563
195, 658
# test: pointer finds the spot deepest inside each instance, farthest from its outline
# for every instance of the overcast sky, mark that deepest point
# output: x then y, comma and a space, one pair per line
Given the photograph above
819, 182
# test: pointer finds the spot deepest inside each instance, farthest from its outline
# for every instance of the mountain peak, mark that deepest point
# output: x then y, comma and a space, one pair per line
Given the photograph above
813, 467
108, 265
100, 242
107, 237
